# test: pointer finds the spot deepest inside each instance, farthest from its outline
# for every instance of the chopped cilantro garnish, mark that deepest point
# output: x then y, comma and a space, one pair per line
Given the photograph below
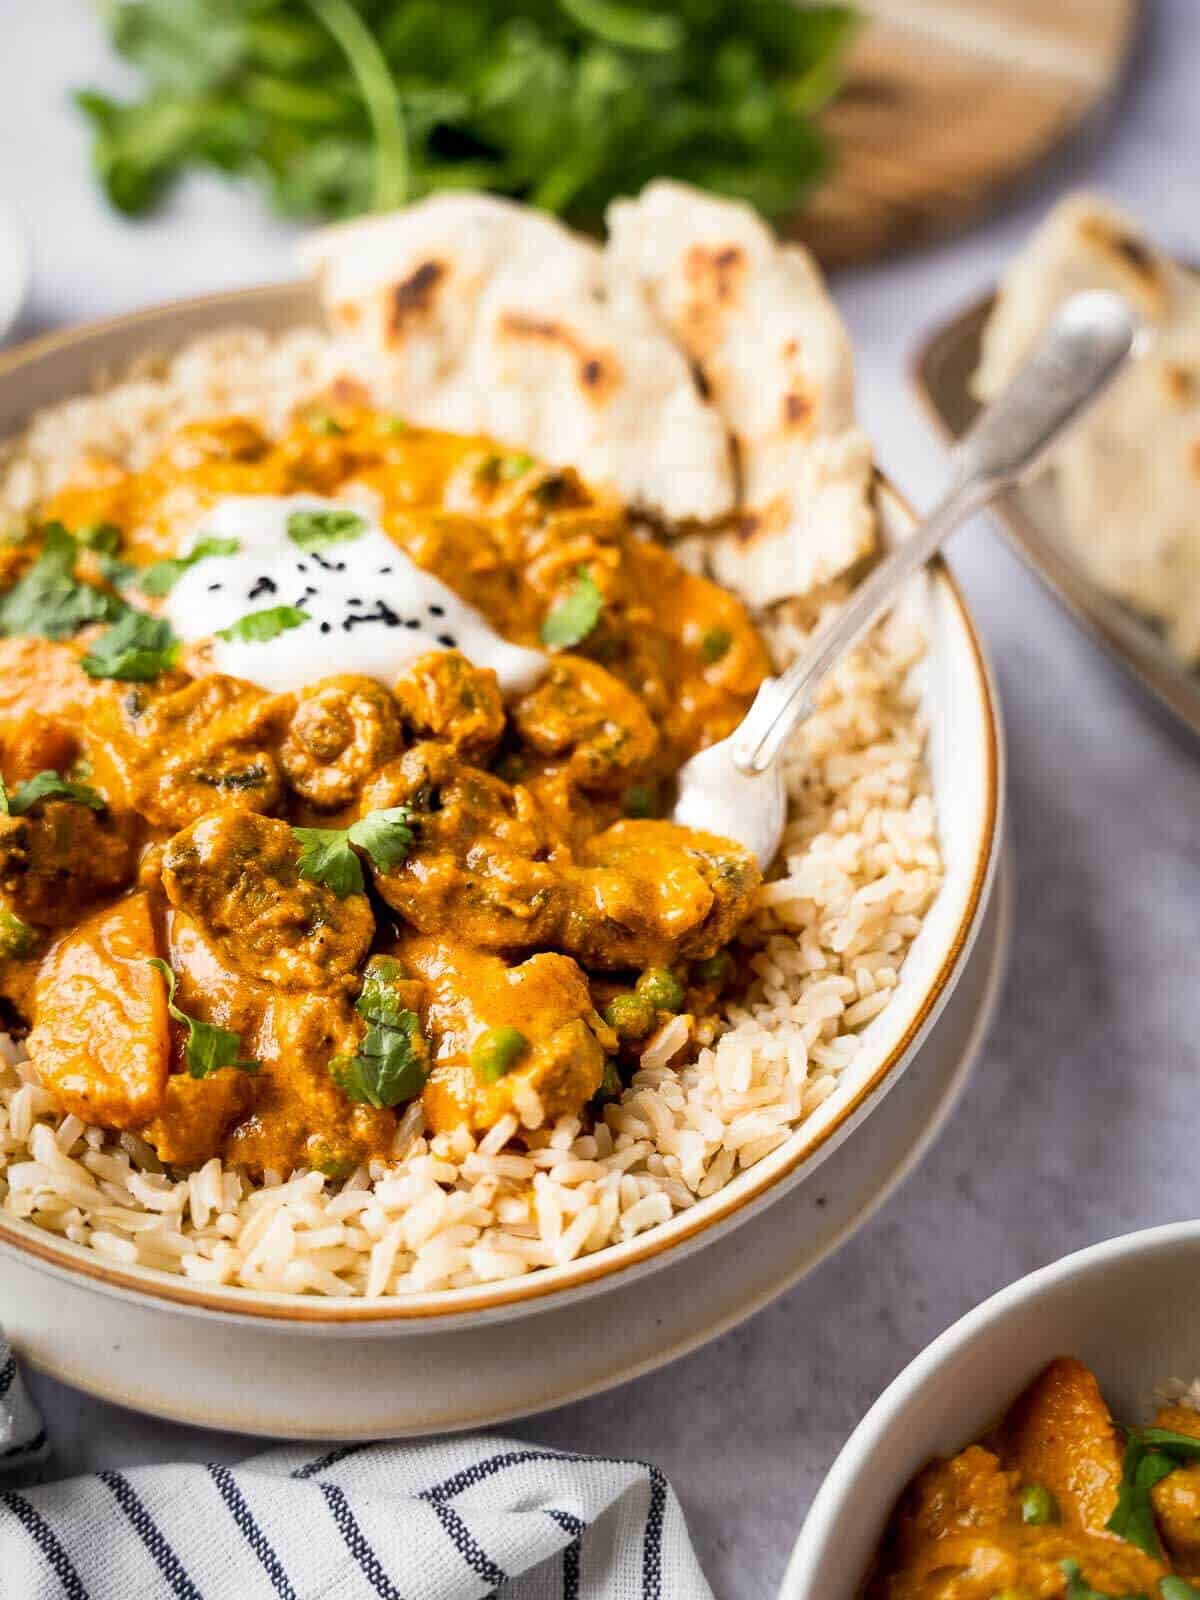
46, 786
209, 1048
17, 938
327, 856
50, 601
103, 537
135, 649
315, 530
1151, 1454
572, 618
162, 576
392, 1062
386, 836
258, 627
322, 422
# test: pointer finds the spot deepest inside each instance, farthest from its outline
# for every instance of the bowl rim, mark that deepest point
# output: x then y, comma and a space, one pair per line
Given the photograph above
821, 1522
684, 1231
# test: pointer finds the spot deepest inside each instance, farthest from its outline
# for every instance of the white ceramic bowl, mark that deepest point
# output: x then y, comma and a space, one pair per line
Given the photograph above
1129, 1308
966, 759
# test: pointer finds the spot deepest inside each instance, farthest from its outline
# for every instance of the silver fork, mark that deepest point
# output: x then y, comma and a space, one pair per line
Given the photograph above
735, 788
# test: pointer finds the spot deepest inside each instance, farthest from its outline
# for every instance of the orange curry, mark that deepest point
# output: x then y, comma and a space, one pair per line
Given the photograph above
1053, 1502
259, 925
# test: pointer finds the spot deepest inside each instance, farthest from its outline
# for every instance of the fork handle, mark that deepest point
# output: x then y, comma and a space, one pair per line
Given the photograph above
1082, 350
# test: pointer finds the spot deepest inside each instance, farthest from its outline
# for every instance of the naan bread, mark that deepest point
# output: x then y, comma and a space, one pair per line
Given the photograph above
483, 316
1128, 477
754, 318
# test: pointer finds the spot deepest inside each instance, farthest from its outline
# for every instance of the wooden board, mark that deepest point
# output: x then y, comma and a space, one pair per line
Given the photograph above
947, 102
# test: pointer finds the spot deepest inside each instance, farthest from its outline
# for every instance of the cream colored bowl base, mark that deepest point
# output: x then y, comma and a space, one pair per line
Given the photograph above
316, 1384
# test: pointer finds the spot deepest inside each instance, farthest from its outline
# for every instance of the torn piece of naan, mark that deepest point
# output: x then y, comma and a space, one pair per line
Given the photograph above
483, 316
1128, 476
756, 321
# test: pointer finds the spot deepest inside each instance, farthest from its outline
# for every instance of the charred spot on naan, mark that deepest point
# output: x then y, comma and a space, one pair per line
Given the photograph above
412, 299
599, 371
716, 278
1131, 256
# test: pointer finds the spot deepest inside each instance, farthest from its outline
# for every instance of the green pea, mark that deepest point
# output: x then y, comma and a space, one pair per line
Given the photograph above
659, 987
610, 1084
629, 1015
716, 970
640, 800
1038, 1505
715, 644
497, 1051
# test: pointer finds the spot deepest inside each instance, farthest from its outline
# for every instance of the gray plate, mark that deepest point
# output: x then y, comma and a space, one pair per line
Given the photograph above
941, 372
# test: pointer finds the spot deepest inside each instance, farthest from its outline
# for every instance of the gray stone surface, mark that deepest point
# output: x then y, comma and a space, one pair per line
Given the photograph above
1081, 1120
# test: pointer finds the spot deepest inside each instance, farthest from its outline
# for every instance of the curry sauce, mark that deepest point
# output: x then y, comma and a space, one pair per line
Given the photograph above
259, 924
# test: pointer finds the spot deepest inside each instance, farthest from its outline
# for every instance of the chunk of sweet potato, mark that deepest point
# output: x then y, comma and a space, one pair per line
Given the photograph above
100, 1039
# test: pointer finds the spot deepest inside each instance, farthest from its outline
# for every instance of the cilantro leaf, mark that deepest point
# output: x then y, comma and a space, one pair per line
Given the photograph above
326, 857
1151, 1454
102, 537
573, 617
259, 627
160, 577
208, 1048
47, 786
339, 108
1177, 1589
315, 530
392, 1062
386, 836
49, 600
135, 649
17, 938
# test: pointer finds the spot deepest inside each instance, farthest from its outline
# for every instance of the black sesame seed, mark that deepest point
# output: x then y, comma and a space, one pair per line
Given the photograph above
300, 567
326, 627
412, 622
437, 611
213, 587
384, 571
447, 639
354, 601
263, 585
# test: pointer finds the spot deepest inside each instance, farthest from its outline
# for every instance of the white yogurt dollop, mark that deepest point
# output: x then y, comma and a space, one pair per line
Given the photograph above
371, 610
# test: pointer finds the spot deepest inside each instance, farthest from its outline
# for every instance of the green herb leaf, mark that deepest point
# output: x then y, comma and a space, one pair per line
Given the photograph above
338, 107
392, 1062
326, 857
1151, 1454
161, 577
47, 786
103, 537
324, 423
134, 650
17, 938
572, 618
1177, 1589
50, 601
259, 627
315, 530
387, 836
208, 1048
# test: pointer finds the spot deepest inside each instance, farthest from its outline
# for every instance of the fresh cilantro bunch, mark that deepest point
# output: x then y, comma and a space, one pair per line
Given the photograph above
345, 106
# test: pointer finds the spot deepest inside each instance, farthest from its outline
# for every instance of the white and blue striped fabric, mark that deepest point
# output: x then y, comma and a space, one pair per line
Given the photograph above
455, 1519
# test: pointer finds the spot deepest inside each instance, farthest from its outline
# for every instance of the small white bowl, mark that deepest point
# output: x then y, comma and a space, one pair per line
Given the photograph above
1129, 1308
14, 270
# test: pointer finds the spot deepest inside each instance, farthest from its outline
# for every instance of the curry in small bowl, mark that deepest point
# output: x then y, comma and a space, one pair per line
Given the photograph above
1055, 1500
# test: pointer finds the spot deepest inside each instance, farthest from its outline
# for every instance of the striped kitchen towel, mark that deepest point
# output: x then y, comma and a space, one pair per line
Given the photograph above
453, 1519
